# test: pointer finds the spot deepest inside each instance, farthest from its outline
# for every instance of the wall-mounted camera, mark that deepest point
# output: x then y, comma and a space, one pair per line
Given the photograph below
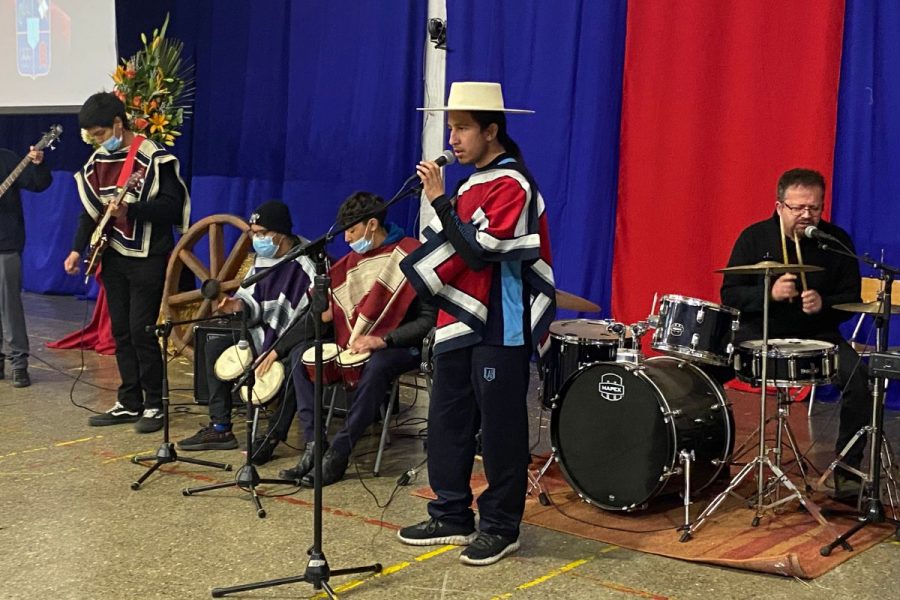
437, 33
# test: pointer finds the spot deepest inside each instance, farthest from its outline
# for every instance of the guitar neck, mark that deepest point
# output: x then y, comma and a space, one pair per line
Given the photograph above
9, 181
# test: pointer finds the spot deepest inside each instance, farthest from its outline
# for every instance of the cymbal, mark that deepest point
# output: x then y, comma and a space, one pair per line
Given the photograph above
869, 308
768, 266
572, 302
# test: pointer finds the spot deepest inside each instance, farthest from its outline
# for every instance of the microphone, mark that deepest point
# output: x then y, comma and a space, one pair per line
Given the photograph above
446, 158
815, 233
210, 289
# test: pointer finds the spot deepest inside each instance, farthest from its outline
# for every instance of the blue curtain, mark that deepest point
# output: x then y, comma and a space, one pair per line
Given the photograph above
866, 177
564, 60
307, 102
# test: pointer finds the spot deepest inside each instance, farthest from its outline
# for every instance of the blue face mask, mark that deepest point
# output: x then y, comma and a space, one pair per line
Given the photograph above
112, 144
265, 246
363, 244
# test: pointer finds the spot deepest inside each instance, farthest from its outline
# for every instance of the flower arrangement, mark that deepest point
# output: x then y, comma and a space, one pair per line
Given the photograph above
156, 87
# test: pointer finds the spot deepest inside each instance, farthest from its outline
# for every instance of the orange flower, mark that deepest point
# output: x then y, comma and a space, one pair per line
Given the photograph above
141, 123
158, 122
136, 101
119, 75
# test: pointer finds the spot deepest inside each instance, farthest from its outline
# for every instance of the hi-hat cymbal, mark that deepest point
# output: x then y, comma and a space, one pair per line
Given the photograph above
572, 302
869, 308
768, 266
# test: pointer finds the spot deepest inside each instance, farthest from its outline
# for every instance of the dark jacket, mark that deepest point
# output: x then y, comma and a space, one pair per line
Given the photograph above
838, 283
35, 178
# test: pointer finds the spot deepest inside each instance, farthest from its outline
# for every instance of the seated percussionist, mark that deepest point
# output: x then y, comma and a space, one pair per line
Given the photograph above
272, 305
795, 312
373, 310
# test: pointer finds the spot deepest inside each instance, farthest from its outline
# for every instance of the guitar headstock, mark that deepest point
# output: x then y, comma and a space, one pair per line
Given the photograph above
49, 138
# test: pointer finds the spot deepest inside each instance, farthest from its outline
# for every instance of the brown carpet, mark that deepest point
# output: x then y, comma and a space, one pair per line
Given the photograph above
785, 543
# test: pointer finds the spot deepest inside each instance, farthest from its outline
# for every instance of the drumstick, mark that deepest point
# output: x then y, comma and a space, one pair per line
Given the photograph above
800, 261
783, 240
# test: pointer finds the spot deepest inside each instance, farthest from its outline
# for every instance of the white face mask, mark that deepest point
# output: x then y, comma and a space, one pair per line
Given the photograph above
363, 244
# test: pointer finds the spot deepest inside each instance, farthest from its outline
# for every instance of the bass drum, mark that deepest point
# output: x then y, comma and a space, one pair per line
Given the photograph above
617, 430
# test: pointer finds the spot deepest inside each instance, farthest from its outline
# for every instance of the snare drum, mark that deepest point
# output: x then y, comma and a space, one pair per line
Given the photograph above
575, 343
351, 365
696, 329
233, 361
266, 387
331, 372
792, 362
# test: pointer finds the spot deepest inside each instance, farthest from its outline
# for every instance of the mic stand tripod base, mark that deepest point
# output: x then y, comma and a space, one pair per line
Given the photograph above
317, 574
166, 454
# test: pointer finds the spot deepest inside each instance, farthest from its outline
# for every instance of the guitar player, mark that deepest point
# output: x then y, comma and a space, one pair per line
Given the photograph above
34, 178
133, 266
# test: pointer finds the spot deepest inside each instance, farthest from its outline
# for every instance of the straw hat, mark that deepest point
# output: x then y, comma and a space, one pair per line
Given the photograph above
477, 95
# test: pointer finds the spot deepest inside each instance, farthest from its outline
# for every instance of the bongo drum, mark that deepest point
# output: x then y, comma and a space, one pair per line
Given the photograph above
351, 365
331, 372
266, 386
232, 362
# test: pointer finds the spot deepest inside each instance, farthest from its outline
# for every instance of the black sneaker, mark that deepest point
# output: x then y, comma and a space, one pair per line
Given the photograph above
488, 549
435, 532
20, 378
847, 487
209, 439
151, 420
116, 415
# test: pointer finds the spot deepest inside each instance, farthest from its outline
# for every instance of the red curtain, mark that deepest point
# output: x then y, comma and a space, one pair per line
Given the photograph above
719, 98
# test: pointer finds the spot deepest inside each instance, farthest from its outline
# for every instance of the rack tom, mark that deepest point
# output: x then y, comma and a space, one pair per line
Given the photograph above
696, 330
575, 343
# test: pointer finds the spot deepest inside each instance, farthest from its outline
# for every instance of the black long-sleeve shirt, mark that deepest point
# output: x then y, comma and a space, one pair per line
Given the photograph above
34, 178
838, 283
165, 210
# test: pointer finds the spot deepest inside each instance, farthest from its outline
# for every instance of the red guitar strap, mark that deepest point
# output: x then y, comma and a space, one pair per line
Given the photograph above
128, 167
124, 224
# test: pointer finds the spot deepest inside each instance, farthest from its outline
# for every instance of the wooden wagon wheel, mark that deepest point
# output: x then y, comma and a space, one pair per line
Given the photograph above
227, 270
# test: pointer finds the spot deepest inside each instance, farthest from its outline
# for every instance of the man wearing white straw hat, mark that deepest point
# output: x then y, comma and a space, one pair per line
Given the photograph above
486, 265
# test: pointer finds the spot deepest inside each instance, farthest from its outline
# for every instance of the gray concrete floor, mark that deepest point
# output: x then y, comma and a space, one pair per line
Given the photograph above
71, 527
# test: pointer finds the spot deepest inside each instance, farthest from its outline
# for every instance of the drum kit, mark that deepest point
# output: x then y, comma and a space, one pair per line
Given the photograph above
626, 429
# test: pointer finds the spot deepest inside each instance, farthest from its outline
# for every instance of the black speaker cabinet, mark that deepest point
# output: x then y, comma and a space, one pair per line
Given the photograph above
227, 328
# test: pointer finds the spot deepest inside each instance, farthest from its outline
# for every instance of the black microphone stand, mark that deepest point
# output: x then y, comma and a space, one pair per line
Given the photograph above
247, 478
318, 572
874, 508
166, 453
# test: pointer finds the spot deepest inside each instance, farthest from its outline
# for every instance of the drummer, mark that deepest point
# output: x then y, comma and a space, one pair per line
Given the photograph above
272, 305
806, 314
374, 310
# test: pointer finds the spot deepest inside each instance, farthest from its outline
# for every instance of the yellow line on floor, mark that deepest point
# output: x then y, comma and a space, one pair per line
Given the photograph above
390, 570
56, 445
554, 573
78, 441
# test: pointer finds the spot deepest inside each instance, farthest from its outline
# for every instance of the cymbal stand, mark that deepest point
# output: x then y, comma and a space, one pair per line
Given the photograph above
874, 509
166, 452
761, 462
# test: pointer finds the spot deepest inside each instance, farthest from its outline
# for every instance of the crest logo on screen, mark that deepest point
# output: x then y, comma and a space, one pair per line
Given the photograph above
33, 37
611, 387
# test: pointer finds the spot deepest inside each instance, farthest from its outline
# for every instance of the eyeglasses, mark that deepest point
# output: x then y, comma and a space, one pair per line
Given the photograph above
799, 210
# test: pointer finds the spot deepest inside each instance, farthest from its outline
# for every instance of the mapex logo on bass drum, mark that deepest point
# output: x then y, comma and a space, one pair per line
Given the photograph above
611, 387
677, 329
